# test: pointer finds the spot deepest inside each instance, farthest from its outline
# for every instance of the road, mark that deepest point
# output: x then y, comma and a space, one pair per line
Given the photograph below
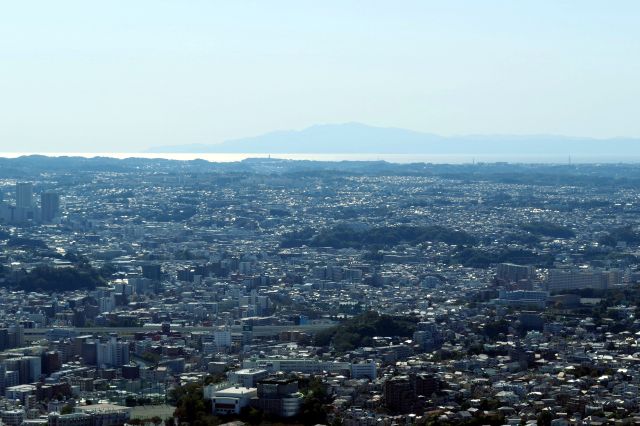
32, 334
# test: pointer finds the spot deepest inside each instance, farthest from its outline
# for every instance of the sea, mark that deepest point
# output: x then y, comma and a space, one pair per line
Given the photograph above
391, 158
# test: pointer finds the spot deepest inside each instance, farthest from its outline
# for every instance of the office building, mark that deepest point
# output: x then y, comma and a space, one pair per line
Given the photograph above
247, 377
367, 369
305, 366
232, 400
98, 414
279, 397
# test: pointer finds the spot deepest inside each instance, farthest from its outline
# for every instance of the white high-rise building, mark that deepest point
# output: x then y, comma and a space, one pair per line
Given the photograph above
112, 353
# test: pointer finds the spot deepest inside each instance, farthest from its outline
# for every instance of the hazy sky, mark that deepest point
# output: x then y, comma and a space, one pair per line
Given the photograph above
106, 76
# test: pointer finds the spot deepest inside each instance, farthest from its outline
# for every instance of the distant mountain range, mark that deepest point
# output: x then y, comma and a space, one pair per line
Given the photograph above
356, 138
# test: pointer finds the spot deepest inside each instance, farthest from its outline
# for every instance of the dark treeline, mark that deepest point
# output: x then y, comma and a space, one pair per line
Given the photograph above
591, 175
624, 234
548, 229
478, 258
345, 236
49, 279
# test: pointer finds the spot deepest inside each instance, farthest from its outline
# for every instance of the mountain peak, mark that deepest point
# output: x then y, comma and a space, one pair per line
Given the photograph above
359, 138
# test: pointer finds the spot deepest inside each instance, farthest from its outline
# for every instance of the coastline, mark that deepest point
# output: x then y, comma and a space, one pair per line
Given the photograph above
390, 158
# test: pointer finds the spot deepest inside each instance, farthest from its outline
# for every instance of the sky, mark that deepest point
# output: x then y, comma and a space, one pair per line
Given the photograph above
123, 75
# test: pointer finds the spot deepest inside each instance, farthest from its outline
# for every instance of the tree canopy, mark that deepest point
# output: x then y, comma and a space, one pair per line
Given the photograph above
548, 229
346, 236
359, 331
50, 279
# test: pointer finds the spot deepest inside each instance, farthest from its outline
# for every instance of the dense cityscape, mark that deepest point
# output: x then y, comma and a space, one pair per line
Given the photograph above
354, 293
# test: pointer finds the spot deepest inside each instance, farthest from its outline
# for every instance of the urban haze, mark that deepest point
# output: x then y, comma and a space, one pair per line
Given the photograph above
349, 213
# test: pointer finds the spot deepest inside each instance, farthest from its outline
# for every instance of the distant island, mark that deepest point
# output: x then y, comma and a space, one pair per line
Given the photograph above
356, 138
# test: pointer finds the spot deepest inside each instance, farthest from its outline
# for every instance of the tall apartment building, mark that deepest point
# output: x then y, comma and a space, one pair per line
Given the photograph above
24, 195
560, 279
49, 205
112, 353
402, 392
28, 368
523, 298
510, 272
398, 394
